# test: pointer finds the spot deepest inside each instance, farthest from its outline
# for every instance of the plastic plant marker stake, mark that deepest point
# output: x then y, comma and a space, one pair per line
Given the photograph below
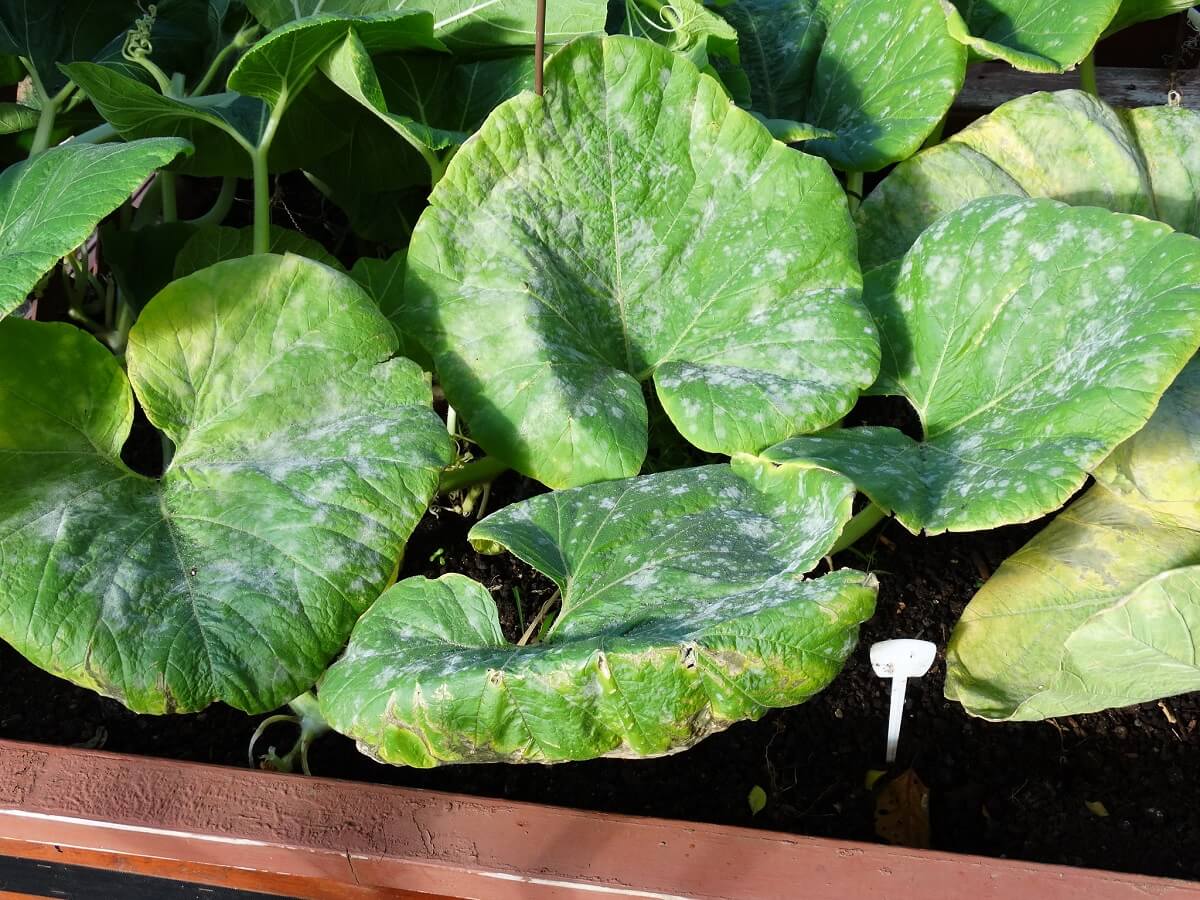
900, 660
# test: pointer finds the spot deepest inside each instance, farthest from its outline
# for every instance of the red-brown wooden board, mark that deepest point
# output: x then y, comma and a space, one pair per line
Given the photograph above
315, 837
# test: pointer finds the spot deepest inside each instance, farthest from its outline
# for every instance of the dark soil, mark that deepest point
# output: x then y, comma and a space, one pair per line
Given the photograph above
1018, 790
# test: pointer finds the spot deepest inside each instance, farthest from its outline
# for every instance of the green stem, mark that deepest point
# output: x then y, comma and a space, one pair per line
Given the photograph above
221, 206
149, 210
120, 336
1087, 75
516, 592
170, 208
854, 190
312, 725
262, 179
856, 529
45, 128
48, 114
242, 39
160, 77
262, 202
478, 471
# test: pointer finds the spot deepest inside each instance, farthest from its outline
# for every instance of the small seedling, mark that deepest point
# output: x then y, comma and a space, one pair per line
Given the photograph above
900, 660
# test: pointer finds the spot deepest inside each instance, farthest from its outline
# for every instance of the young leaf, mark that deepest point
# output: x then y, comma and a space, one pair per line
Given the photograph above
304, 455
51, 203
548, 278
877, 74
270, 78
1048, 36
349, 67
1102, 608
217, 243
1032, 338
684, 609
465, 25
276, 68
224, 127
1067, 145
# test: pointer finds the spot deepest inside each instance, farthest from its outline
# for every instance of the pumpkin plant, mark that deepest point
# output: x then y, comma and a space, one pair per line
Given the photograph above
630, 255
549, 280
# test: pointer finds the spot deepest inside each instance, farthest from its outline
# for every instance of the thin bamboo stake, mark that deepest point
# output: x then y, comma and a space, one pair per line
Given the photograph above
539, 47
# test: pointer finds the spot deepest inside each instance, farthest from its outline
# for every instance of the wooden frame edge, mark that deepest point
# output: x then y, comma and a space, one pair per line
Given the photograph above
317, 837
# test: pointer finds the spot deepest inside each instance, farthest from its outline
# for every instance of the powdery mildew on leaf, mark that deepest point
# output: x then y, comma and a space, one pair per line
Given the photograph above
684, 609
1102, 608
1067, 145
305, 454
1031, 338
634, 226
877, 74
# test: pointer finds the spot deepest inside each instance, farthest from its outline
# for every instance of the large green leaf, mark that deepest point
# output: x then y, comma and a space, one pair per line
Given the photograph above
304, 455
51, 203
1046, 36
670, 239
1031, 338
465, 25
876, 74
1102, 608
1067, 145
684, 609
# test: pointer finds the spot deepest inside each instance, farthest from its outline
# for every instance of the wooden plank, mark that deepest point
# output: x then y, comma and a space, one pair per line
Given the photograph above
990, 84
384, 841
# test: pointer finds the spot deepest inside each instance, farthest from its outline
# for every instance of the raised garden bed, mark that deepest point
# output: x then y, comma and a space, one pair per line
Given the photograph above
1018, 790
1103, 790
